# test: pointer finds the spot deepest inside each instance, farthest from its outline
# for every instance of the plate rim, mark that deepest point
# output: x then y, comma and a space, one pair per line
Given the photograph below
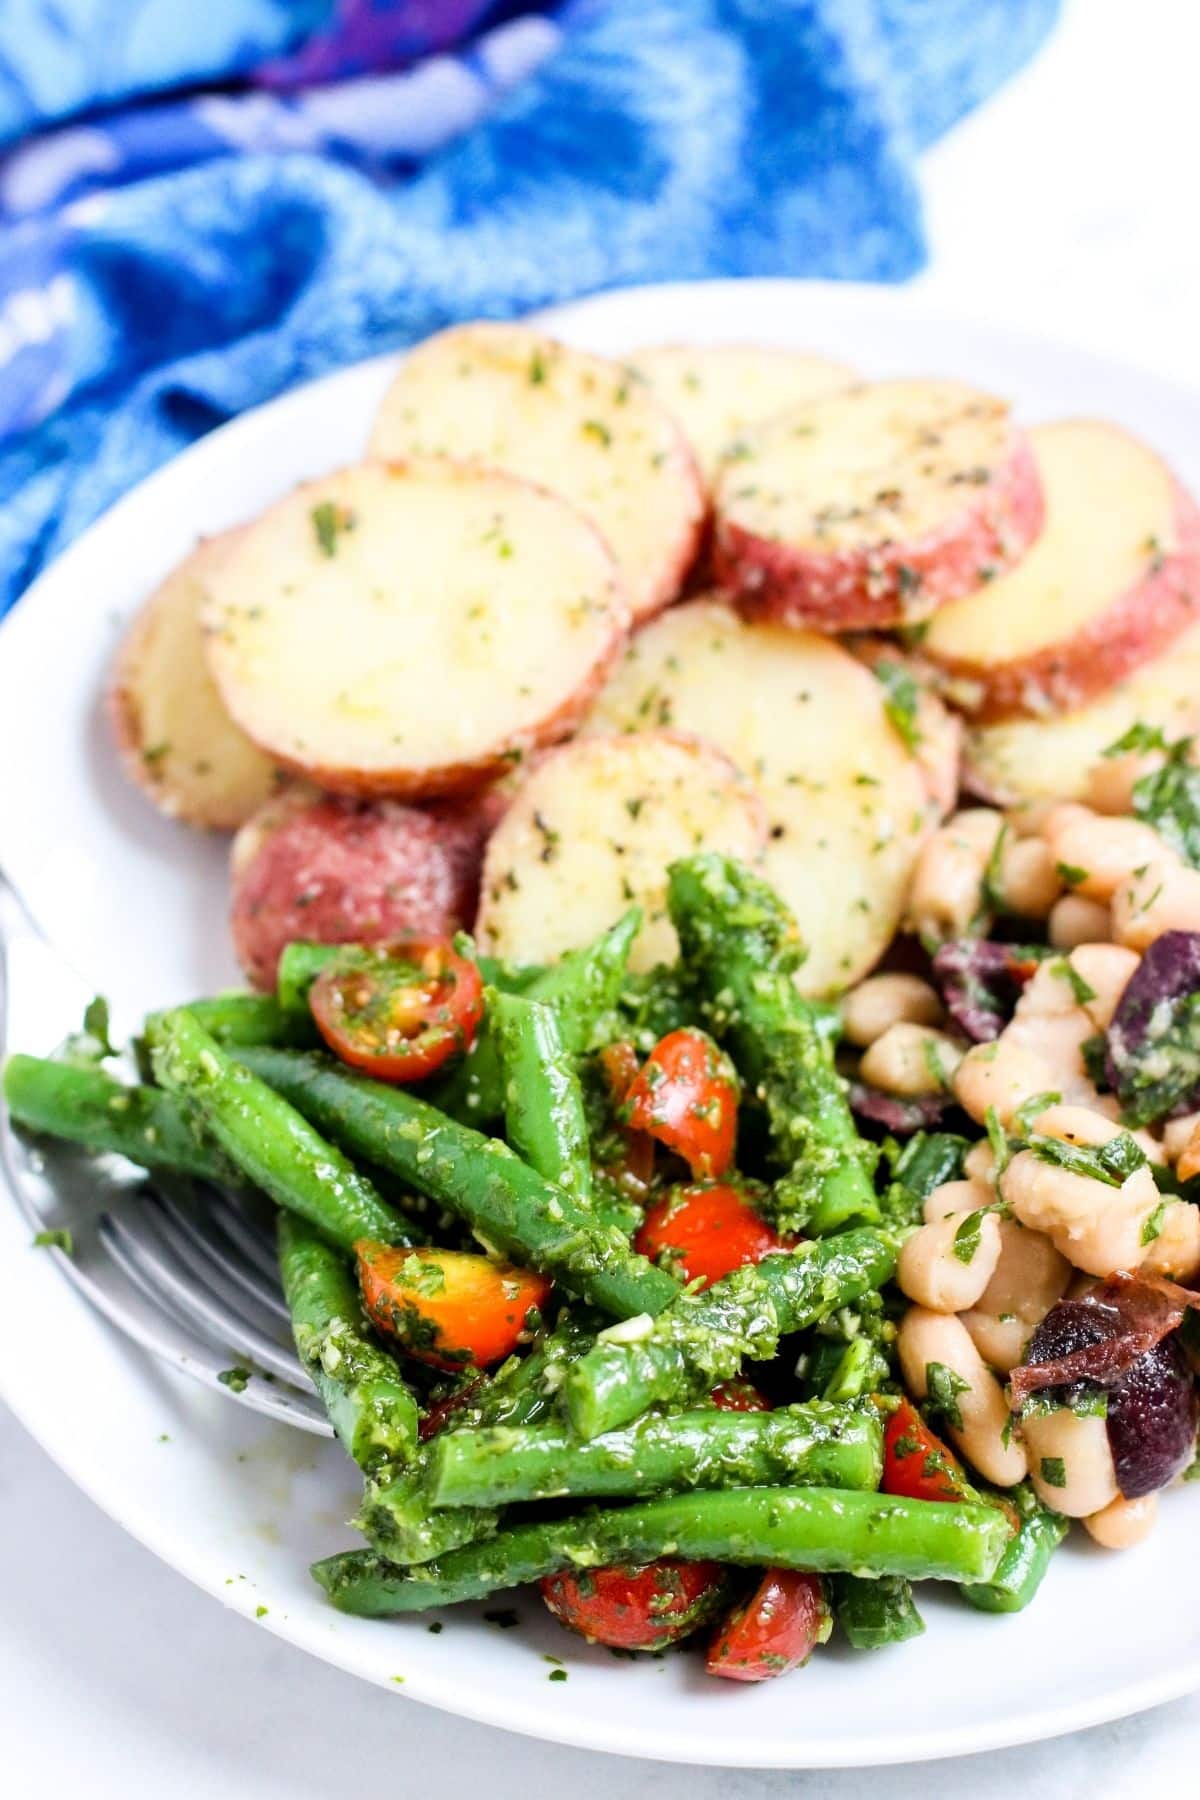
746, 1750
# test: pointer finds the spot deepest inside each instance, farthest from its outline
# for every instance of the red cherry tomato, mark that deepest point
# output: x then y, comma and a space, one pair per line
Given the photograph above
709, 1230
775, 1630
686, 1096
400, 1008
916, 1464
448, 1307
739, 1396
636, 1608
635, 1171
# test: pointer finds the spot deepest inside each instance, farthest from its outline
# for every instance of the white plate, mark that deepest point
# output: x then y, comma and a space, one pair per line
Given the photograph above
241, 1506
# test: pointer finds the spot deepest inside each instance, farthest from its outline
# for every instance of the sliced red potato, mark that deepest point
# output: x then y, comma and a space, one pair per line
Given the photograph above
848, 805
412, 631
593, 830
1031, 760
175, 738
341, 871
1112, 581
582, 426
875, 506
718, 391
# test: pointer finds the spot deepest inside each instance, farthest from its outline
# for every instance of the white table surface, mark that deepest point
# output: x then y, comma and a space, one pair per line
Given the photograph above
1067, 204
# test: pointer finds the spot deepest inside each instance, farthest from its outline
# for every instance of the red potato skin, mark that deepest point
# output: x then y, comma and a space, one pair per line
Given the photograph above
872, 587
1137, 627
335, 872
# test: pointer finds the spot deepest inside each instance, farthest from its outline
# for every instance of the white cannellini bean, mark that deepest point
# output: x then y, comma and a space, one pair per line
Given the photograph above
1030, 1275
947, 885
881, 1001
1177, 1134
931, 1272
1096, 1227
1003, 1075
979, 1165
956, 1196
1175, 1251
1080, 1444
1100, 852
911, 1060
1091, 1125
1028, 879
1158, 896
1123, 1523
929, 1337
1106, 969
1074, 920
1111, 781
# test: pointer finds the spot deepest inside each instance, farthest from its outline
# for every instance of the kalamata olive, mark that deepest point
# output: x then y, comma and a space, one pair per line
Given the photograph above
900, 1115
981, 982
1152, 1050
1152, 1404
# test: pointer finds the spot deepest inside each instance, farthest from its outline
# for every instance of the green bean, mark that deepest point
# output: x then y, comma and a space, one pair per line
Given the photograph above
524, 1391
506, 1203
88, 1107
299, 966
371, 1409
928, 1159
273, 1145
874, 1612
543, 1101
741, 943
819, 1445
823, 1529
398, 1522
253, 1019
702, 1338
581, 987
1020, 1570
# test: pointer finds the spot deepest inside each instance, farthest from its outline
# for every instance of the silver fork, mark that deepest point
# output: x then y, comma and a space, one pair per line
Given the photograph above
187, 1272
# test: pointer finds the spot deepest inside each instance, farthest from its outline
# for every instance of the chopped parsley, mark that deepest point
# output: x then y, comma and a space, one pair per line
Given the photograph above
235, 1379
992, 886
1054, 1471
1111, 1163
903, 701
55, 1240
1152, 1228
1169, 800
1066, 971
1032, 1109
329, 521
943, 1387
1071, 873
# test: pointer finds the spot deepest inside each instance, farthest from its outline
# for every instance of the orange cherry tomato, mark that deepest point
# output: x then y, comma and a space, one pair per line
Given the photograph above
636, 1608
398, 1009
775, 1630
686, 1096
448, 1307
707, 1230
739, 1396
916, 1463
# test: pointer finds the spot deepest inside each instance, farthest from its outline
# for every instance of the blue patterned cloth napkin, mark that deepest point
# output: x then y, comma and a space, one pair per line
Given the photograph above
203, 204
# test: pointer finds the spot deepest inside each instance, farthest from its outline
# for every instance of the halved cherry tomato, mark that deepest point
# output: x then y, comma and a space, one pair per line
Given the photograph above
916, 1463
709, 1230
400, 1008
636, 1608
775, 1630
739, 1396
448, 1307
686, 1096
635, 1171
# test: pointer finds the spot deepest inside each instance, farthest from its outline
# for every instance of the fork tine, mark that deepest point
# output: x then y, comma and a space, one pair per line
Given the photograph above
218, 1251
253, 1242
143, 1259
213, 1279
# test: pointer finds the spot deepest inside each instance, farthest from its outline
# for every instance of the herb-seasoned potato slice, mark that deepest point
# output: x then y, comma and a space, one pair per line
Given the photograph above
847, 803
874, 506
176, 740
1114, 577
593, 829
412, 631
718, 391
582, 426
1030, 760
